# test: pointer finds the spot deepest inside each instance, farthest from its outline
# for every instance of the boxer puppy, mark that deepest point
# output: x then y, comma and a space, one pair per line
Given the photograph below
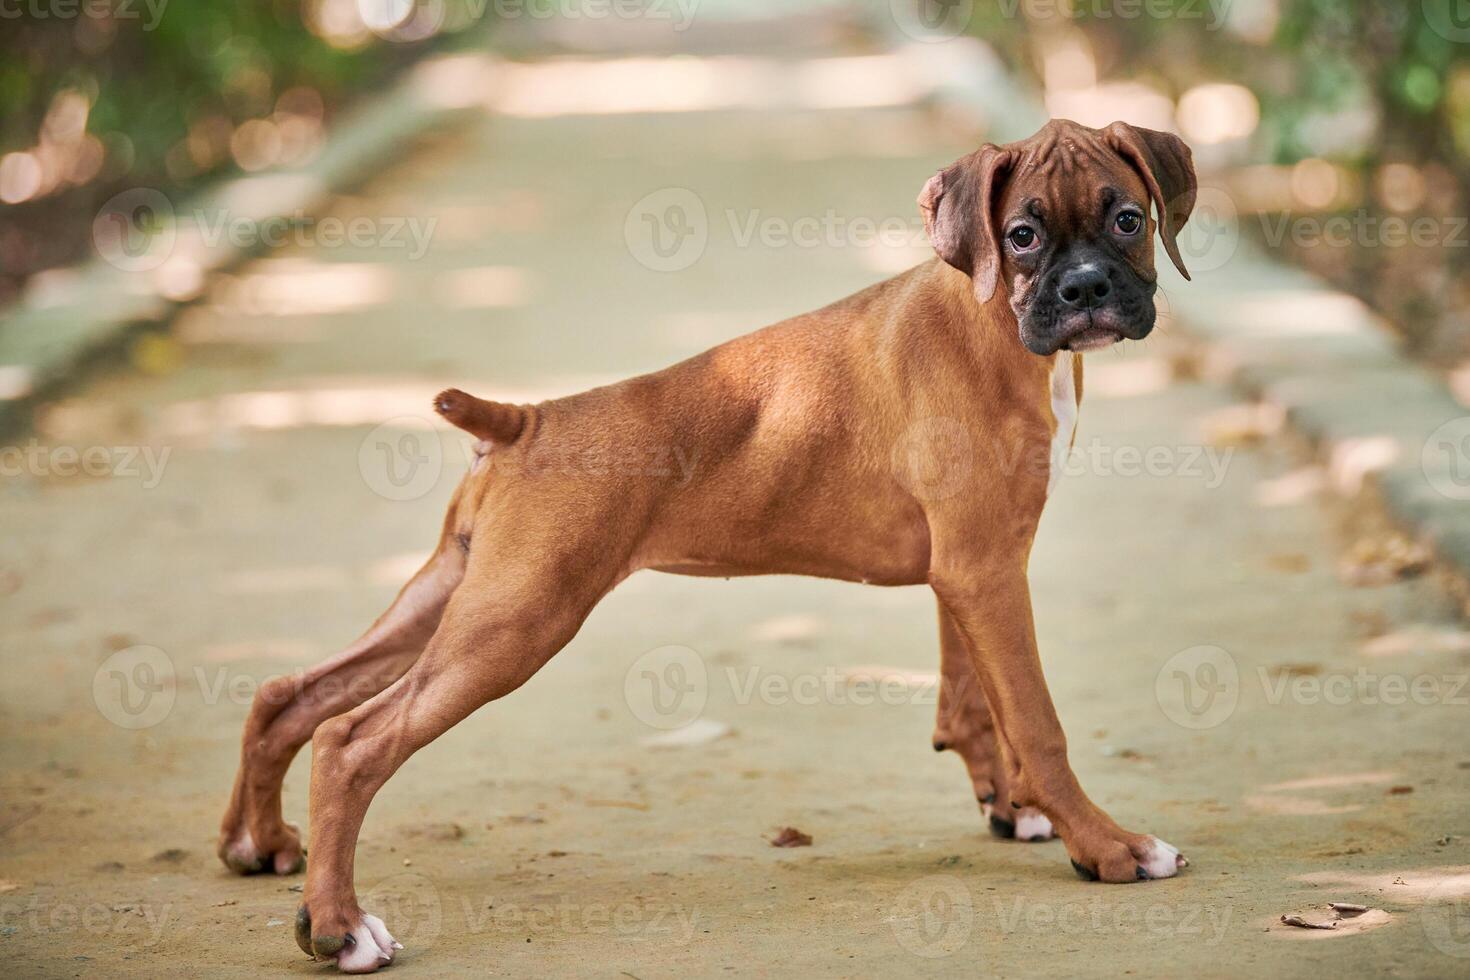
906, 435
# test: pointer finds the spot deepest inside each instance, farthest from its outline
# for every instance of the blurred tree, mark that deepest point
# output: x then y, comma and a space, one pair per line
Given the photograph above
100, 95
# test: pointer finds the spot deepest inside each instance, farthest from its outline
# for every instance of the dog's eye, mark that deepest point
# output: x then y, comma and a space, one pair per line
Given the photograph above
1022, 239
1128, 222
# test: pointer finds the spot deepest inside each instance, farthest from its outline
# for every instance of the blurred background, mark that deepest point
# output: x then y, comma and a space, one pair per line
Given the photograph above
242, 246
1319, 107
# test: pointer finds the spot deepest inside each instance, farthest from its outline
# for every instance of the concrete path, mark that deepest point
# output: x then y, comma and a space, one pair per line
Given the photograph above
1302, 740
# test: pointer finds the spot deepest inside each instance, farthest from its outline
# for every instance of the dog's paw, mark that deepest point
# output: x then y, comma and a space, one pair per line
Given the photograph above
1137, 857
1161, 859
285, 856
362, 948
1027, 824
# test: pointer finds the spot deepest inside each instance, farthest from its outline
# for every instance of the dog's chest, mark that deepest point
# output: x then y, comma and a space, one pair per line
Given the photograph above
1064, 408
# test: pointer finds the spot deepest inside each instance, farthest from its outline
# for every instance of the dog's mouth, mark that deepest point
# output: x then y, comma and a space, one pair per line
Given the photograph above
1092, 338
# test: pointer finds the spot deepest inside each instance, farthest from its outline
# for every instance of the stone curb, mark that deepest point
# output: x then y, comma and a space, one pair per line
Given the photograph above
1279, 334
70, 319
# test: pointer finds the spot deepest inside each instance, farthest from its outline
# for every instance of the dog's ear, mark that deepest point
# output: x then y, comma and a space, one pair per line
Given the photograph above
958, 205
1167, 168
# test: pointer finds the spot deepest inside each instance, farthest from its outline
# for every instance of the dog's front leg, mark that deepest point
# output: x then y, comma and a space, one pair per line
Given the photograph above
965, 726
989, 602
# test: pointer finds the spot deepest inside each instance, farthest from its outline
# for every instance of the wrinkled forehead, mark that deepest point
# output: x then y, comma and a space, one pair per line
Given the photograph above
1067, 179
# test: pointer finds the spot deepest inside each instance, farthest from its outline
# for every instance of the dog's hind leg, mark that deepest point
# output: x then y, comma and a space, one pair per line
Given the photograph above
518, 605
254, 835
964, 726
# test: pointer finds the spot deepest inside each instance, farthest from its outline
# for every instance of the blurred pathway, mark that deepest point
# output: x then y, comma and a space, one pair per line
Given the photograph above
1205, 657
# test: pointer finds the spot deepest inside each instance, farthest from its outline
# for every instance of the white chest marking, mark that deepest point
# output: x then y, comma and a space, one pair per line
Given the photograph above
1064, 408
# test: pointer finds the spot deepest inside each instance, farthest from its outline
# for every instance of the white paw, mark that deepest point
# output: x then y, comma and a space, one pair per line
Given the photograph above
369, 946
1033, 826
243, 857
1162, 860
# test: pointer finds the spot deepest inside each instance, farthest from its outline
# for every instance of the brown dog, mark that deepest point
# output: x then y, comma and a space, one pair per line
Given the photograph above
901, 436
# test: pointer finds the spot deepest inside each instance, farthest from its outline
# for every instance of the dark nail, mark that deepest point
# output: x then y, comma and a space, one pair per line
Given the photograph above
1083, 873
940, 746
303, 931
1142, 874
1001, 827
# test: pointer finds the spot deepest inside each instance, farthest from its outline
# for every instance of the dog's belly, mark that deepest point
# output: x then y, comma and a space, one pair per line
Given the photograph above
911, 573
870, 544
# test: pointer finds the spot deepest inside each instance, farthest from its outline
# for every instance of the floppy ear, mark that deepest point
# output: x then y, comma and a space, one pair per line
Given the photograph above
957, 205
1167, 168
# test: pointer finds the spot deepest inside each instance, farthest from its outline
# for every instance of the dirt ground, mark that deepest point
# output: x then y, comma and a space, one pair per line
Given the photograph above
276, 476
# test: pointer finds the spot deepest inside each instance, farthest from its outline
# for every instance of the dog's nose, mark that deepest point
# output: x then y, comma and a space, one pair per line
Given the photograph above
1084, 287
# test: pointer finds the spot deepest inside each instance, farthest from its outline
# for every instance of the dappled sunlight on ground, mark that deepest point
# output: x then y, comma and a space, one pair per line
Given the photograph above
1132, 378
485, 287
1298, 313
1443, 883
292, 651
1282, 799
393, 570
690, 84
798, 628
296, 286
1297, 486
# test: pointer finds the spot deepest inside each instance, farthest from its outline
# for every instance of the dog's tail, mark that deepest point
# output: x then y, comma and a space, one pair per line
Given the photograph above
492, 421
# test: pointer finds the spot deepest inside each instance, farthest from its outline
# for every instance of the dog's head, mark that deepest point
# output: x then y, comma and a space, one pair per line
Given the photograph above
1061, 223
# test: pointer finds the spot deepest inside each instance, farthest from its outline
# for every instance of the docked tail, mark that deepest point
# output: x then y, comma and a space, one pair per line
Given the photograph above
492, 421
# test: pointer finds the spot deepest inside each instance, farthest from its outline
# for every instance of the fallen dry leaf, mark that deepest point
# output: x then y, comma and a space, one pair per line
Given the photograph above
1291, 563
1380, 561
1341, 919
1294, 670
1400, 790
1243, 425
701, 731
446, 831
791, 837
1418, 640
623, 804
1301, 923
